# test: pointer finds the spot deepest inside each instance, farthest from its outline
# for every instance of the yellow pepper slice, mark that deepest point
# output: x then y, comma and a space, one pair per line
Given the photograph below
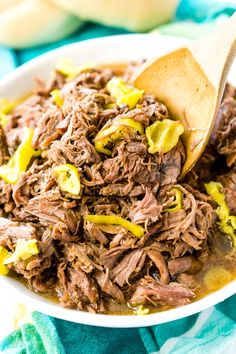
56, 94
3, 119
68, 68
163, 135
129, 122
6, 107
124, 93
141, 310
115, 132
4, 254
24, 250
105, 136
68, 178
228, 228
110, 105
177, 202
214, 190
227, 222
19, 161
137, 230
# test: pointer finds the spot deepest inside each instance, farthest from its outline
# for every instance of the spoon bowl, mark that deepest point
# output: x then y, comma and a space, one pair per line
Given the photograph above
190, 81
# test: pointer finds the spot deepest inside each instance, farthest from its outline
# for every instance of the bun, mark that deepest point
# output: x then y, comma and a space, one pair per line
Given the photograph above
32, 22
135, 15
27, 23
5, 4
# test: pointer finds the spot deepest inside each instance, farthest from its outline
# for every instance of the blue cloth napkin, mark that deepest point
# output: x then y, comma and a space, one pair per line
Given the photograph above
204, 10
212, 331
8, 61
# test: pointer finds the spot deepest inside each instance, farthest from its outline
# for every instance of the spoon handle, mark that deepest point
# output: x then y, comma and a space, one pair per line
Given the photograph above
215, 53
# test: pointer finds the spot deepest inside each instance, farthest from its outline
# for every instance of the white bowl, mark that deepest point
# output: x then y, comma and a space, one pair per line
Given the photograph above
103, 50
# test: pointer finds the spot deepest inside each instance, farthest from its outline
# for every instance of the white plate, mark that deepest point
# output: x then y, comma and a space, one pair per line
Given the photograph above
108, 49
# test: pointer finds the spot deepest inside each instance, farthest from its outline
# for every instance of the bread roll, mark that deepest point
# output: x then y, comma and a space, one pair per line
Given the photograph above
135, 15
5, 4
25, 23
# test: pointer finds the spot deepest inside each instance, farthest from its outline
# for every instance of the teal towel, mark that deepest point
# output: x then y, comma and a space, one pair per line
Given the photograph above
8, 61
204, 10
213, 331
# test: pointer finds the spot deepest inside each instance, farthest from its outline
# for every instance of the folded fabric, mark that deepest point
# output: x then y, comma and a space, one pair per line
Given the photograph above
88, 31
204, 10
213, 331
8, 61
186, 29
194, 18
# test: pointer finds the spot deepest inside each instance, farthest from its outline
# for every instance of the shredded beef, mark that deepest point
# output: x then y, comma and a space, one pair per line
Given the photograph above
11, 231
229, 183
187, 264
79, 291
95, 233
34, 267
122, 272
5, 195
108, 287
225, 130
150, 291
89, 266
48, 208
160, 263
145, 211
4, 154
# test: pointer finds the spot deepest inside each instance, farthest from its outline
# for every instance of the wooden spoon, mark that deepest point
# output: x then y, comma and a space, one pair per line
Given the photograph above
190, 82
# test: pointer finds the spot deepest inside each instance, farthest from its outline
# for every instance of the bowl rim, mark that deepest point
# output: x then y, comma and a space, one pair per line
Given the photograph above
40, 303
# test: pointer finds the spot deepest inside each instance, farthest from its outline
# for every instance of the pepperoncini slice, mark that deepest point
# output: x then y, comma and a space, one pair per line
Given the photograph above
110, 105
68, 178
227, 222
56, 94
227, 227
4, 254
24, 250
6, 107
129, 122
124, 93
141, 310
3, 119
137, 230
19, 161
163, 135
106, 136
68, 68
115, 132
214, 190
176, 204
